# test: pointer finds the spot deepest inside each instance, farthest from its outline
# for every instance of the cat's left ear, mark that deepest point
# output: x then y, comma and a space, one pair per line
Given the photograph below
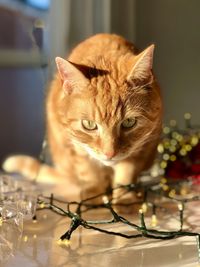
72, 78
141, 73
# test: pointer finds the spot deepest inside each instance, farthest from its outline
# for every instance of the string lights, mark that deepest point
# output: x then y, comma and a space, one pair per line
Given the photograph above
140, 229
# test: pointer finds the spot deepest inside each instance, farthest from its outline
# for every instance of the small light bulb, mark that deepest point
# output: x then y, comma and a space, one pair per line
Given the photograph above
64, 242
183, 152
173, 142
166, 144
163, 164
173, 157
166, 156
139, 194
165, 187
160, 148
154, 221
59, 242
163, 180
154, 172
194, 140
172, 193
187, 116
183, 191
166, 130
105, 199
144, 207
141, 211
188, 147
25, 238
179, 138
180, 206
172, 149
173, 123
42, 205
1, 221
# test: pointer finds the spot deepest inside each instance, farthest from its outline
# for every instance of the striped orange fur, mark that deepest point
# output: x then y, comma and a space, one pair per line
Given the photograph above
105, 83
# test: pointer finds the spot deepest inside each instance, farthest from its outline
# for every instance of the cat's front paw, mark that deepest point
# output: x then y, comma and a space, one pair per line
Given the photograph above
126, 202
91, 195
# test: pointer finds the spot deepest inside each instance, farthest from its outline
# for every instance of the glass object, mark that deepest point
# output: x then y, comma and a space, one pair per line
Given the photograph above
18, 199
11, 227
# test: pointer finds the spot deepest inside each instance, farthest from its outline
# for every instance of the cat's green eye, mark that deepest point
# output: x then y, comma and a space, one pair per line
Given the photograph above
89, 125
128, 123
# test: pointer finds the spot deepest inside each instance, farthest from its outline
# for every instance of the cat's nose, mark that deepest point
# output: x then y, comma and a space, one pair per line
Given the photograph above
109, 154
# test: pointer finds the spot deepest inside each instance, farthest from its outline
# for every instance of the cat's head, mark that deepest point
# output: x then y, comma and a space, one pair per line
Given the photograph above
115, 111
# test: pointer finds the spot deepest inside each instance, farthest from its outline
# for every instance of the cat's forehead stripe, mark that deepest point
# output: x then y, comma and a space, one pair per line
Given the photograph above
107, 108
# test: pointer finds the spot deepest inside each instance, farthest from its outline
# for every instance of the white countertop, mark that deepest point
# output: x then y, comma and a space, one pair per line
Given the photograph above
38, 246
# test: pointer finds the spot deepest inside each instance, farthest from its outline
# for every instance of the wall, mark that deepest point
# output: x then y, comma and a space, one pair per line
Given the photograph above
173, 25
22, 84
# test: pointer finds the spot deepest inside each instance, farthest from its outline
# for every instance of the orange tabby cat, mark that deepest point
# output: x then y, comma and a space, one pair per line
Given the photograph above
104, 115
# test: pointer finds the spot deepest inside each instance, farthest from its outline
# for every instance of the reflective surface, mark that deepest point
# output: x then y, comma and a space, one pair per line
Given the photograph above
39, 246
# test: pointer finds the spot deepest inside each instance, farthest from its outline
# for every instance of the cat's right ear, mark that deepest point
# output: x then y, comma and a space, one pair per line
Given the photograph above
71, 77
141, 72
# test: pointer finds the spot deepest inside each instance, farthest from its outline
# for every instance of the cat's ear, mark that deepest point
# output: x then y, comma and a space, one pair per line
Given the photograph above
141, 73
72, 78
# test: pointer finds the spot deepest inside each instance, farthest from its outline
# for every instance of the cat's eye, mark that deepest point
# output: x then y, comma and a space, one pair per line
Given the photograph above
128, 123
89, 125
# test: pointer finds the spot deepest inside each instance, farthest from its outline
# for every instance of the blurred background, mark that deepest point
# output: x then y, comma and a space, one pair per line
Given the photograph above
33, 32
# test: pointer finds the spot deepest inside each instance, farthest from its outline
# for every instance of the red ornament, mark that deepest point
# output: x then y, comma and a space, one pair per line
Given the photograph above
195, 154
176, 169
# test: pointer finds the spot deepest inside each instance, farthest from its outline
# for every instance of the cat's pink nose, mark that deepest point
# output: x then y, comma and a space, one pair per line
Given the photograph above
110, 154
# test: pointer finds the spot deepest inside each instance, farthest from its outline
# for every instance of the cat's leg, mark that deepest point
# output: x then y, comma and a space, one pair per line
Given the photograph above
125, 173
22, 164
94, 179
31, 168
53, 180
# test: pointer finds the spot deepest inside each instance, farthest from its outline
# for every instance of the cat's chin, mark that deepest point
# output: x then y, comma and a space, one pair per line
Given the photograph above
112, 162
108, 162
